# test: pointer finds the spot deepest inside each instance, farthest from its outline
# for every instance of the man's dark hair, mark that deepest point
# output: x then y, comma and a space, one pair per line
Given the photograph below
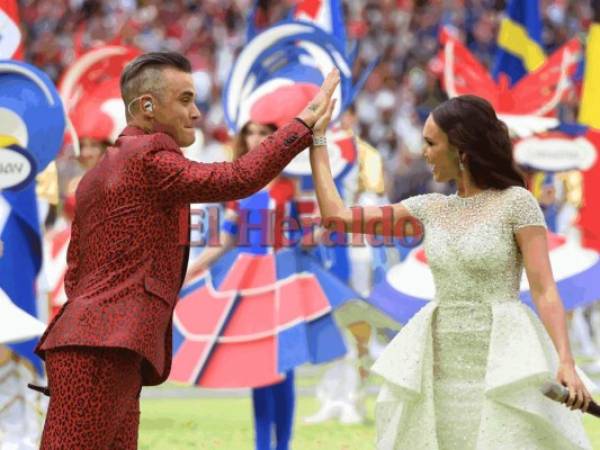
142, 75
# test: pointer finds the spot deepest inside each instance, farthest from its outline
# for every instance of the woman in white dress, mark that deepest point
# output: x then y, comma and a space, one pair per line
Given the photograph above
466, 371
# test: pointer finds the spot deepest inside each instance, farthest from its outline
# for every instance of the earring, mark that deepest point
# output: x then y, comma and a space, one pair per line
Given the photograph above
461, 166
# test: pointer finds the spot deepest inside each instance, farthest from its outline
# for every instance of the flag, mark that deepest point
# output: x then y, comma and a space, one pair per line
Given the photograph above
534, 95
519, 41
589, 114
11, 39
589, 111
326, 14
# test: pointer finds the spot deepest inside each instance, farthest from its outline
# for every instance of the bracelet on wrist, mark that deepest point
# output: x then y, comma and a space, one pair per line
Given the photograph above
319, 140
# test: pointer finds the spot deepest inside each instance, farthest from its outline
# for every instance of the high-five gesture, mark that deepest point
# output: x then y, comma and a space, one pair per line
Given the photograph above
319, 105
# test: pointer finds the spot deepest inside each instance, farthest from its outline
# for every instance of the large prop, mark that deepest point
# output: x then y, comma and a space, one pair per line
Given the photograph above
284, 65
32, 122
91, 91
15, 324
566, 147
252, 318
32, 125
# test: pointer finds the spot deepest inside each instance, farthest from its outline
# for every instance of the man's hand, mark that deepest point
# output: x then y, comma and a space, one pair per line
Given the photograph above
318, 106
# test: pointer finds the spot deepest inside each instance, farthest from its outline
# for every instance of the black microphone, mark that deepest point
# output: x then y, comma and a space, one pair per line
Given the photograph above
560, 394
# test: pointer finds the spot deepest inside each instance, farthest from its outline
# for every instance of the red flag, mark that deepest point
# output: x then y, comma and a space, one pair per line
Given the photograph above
536, 94
589, 217
11, 39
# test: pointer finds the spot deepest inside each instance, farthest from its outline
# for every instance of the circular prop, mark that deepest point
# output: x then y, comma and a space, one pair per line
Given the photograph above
31, 112
17, 167
283, 55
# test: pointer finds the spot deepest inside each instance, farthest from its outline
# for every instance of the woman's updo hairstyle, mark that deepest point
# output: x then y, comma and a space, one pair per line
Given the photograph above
473, 128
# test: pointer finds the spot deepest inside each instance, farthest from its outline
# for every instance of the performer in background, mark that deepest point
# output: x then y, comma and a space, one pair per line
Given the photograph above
126, 258
341, 390
466, 371
273, 405
282, 313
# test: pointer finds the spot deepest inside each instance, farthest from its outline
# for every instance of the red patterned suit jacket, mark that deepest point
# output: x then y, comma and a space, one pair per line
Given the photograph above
126, 260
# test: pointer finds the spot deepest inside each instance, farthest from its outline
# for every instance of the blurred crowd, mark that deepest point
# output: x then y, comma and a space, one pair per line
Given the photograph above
403, 34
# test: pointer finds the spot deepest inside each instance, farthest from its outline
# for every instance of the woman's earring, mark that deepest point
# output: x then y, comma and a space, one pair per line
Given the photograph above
461, 166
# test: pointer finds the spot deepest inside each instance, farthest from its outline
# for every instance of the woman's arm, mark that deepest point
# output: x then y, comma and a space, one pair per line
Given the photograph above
533, 244
331, 205
211, 254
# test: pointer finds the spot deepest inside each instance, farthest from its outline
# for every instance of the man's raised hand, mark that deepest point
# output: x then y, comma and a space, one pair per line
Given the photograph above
318, 106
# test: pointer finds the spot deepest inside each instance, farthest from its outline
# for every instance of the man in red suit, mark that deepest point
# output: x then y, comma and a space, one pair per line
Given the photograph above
126, 260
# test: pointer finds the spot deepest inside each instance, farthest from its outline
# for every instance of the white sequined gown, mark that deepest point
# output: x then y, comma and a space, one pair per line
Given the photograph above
465, 372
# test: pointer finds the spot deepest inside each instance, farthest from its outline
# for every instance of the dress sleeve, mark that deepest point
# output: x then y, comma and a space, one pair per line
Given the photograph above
524, 210
417, 206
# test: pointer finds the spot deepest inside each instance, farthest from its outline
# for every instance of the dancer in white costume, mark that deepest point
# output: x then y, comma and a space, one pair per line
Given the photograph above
465, 372
21, 409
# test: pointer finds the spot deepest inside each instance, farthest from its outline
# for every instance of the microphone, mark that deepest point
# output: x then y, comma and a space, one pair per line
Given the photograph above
559, 393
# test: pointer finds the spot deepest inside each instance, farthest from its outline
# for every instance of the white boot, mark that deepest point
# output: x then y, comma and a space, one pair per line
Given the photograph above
330, 410
581, 334
351, 415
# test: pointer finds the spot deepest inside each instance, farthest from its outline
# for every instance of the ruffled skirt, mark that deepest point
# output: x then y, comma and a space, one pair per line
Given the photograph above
463, 376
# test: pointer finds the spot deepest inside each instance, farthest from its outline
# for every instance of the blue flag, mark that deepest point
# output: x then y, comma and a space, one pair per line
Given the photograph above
520, 48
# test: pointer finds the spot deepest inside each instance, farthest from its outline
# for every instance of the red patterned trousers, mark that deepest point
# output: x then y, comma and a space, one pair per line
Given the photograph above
94, 399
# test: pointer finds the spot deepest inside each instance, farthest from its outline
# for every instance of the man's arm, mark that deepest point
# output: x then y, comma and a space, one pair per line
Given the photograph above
180, 180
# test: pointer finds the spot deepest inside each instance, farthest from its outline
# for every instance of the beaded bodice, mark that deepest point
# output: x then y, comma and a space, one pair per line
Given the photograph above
470, 242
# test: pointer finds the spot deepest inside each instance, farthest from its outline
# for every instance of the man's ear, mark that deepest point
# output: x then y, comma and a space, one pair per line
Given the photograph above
147, 104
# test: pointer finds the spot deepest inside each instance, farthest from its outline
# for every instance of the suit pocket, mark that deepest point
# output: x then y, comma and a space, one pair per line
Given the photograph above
157, 288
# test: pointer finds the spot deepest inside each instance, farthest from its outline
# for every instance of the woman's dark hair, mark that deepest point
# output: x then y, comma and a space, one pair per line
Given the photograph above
472, 126
240, 148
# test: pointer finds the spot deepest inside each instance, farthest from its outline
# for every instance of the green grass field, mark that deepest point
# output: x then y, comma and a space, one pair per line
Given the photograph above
226, 424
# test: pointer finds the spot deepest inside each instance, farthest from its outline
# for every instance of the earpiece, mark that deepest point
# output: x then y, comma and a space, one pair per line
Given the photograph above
148, 106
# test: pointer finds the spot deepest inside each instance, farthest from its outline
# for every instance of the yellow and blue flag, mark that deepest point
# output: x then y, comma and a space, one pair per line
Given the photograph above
520, 48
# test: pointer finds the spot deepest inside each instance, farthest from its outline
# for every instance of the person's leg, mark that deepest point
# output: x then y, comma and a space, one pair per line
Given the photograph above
284, 399
127, 433
92, 394
262, 403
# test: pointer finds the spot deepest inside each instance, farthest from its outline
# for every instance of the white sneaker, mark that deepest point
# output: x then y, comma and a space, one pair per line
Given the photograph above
350, 415
329, 411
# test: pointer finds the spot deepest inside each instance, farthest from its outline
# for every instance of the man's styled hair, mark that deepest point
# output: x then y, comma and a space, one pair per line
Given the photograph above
143, 74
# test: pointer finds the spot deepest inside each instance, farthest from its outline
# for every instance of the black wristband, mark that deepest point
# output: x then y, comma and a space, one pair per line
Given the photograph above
303, 123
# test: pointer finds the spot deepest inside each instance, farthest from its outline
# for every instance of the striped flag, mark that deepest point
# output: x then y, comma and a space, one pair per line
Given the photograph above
519, 41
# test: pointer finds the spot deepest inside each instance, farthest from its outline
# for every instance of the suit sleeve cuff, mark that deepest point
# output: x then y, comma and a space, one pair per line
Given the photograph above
303, 123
